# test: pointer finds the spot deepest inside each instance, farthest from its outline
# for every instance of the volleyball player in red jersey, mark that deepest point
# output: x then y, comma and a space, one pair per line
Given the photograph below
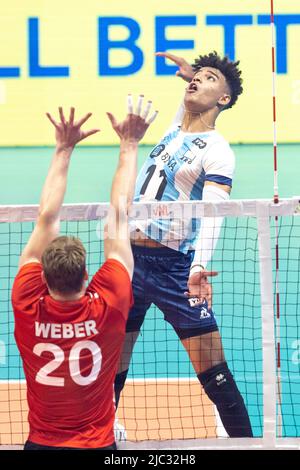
70, 336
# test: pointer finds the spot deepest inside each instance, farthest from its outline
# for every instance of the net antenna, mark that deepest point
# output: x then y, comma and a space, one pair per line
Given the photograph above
276, 201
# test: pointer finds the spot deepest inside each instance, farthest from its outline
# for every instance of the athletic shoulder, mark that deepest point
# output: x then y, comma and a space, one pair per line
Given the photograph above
220, 149
220, 158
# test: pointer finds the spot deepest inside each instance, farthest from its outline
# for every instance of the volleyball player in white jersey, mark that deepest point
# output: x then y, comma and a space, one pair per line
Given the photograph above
192, 162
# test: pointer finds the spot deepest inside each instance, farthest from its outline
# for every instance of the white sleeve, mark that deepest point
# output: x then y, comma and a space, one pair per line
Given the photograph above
179, 115
177, 121
209, 230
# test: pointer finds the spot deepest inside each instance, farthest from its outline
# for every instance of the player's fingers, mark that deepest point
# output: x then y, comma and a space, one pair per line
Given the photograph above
139, 105
112, 119
55, 124
177, 60
191, 295
91, 132
151, 119
61, 115
88, 133
147, 109
210, 273
129, 104
209, 297
83, 120
72, 114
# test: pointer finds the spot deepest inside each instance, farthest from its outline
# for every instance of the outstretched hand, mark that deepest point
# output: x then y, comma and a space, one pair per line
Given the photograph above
199, 289
68, 132
134, 126
185, 71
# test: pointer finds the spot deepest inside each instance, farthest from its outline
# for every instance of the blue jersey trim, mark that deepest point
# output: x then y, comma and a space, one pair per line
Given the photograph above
219, 179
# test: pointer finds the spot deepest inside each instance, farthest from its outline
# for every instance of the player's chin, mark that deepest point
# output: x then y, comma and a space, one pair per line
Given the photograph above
191, 104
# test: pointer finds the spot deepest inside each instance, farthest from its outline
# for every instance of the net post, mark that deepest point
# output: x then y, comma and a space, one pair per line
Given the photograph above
267, 315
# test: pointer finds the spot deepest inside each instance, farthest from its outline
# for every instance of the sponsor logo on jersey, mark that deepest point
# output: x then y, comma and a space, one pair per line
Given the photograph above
169, 161
157, 151
200, 143
188, 156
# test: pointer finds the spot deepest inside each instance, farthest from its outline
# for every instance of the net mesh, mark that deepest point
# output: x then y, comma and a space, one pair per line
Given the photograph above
289, 330
163, 399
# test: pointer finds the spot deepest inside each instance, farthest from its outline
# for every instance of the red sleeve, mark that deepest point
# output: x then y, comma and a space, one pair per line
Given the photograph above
28, 286
113, 284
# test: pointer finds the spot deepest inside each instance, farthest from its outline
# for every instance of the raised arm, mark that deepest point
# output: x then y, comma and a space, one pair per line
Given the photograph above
67, 133
185, 70
130, 132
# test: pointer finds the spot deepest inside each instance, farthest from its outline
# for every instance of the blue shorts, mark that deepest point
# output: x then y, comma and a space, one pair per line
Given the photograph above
160, 277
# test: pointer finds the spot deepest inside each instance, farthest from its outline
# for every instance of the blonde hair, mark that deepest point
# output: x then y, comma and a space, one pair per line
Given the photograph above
64, 265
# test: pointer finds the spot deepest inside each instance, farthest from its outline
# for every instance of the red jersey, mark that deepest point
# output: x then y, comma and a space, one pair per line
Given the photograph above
70, 353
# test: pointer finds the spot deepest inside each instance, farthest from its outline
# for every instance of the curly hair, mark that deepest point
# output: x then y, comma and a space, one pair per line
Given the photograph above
228, 68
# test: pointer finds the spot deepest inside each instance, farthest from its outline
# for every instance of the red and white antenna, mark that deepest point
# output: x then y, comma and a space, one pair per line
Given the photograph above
276, 196
276, 201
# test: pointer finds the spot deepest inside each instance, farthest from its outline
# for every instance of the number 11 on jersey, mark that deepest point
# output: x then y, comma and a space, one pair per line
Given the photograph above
155, 183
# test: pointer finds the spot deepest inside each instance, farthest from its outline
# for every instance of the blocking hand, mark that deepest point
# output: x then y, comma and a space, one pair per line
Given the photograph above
134, 126
69, 133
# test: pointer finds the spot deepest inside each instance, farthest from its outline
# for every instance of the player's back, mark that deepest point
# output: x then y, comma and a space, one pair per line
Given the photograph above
70, 352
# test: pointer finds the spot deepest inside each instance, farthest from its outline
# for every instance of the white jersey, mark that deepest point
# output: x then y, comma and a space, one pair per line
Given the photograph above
176, 170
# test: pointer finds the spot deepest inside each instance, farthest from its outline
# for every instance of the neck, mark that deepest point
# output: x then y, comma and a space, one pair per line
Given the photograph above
198, 122
68, 297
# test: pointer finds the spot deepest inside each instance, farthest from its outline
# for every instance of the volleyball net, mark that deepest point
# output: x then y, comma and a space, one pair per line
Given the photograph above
163, 404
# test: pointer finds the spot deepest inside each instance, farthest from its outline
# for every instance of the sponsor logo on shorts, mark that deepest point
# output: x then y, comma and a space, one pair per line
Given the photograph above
204, 313
194, 302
